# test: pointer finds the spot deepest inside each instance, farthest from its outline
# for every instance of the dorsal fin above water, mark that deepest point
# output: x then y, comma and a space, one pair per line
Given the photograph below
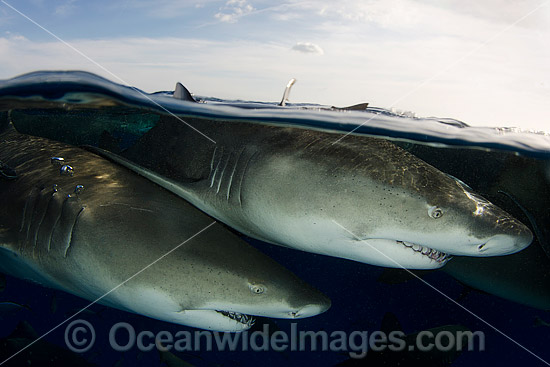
355, 107
181, 93
287, 91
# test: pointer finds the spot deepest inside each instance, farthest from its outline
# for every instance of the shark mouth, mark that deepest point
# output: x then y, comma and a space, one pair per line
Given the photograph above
434, 255
239, 317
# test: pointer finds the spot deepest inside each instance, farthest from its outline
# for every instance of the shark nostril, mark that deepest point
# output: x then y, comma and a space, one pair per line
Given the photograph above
480, 247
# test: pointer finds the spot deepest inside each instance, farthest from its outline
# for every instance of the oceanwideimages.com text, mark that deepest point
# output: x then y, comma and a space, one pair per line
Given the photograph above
80, 337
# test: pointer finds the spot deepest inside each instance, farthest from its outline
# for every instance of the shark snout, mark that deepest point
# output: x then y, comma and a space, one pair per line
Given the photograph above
315, 304
505, 244
514, 236
509, 236
310, 310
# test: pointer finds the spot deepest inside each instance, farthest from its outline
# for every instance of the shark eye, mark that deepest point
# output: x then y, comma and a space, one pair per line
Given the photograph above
257, 288
435, 212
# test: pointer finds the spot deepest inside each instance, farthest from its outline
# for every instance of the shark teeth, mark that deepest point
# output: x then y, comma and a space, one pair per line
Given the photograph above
239, 317
435, 255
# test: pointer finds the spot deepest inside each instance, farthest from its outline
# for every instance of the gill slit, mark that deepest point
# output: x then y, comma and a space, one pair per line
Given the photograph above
53, 228
26, 222
70, 241
212, 161
213, 178
220, 180
233, 173
245, 168
24, 213
39, 225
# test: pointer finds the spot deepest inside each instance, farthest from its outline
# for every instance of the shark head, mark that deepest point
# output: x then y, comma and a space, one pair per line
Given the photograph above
423, 217
109, 235
370, 201
106, 234
424, 229
353, 197
213, 280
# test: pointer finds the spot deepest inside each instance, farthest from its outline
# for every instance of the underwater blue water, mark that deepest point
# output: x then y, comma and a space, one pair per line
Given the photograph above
360, 298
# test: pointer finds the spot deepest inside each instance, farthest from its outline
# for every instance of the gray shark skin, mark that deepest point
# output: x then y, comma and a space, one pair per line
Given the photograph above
88, 239
520, 185
358, 198
522, 278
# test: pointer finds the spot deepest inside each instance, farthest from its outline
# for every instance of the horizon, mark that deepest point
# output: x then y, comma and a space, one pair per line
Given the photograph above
485, 64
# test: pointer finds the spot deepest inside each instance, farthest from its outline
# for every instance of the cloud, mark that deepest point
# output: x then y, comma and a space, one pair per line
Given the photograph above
233, 10
474, 91
533, 13
308, 48
66, 8
427, 58
413, 18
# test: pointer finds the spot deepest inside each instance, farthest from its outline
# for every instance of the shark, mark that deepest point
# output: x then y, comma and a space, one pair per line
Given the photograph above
355, 197
518, 184
77, 222
523, 277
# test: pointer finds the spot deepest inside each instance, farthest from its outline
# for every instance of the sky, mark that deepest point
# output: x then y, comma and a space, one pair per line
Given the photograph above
486, 63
